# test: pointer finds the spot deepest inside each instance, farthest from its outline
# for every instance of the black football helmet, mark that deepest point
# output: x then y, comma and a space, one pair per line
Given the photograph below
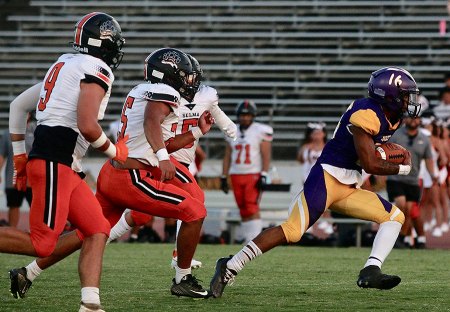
198, 71
172, 67
98, 34
246, 107
391, 87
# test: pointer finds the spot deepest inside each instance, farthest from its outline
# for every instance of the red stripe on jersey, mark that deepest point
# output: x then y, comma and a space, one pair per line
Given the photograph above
79, 27
103, 77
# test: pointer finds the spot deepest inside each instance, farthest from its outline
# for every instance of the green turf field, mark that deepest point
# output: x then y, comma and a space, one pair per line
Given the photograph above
137, 277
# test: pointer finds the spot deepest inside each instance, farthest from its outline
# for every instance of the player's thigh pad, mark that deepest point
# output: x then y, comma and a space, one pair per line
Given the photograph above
319, 192
86, 213
137, 190
52, 185
183, 179
366, 205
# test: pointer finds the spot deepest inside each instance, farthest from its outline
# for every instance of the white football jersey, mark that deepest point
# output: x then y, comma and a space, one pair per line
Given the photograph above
206, 99
58, 103
246, 150
132, 120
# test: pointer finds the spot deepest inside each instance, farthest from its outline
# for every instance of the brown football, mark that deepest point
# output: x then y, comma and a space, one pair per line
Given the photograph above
391, 152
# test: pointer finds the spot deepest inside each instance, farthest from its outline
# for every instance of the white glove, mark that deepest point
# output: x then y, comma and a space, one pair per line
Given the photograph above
231, 131
404, 169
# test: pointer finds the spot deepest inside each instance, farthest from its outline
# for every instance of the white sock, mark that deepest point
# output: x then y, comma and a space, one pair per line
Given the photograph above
119, 229
176, 235
384, 242
90, 295
247, 254
33, 270
180, 273
251, 229
421, 239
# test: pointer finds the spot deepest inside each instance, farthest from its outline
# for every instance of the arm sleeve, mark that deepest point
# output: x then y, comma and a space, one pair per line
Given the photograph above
222, 120
19, 108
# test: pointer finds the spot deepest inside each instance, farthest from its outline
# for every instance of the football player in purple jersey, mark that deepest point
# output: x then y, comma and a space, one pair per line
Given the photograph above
334, 181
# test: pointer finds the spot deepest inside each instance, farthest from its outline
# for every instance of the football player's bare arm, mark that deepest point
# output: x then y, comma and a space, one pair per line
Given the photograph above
89, 101
429, 164
91, 96
155, 113
181, 140
365, 148
226, 160
266, 155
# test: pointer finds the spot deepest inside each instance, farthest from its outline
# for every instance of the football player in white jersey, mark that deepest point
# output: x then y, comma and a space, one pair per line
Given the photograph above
148, 180
206, 99
72, 98
247, 161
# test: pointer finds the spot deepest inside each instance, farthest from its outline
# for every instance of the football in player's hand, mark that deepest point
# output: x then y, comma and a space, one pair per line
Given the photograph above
391, 152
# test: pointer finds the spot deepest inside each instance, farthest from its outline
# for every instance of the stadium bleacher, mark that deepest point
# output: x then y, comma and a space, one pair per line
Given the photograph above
299, 60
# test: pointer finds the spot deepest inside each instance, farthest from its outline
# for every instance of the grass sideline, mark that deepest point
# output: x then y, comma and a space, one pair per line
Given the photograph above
137, 277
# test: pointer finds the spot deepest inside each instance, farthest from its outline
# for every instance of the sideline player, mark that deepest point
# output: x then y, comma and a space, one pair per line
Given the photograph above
72, 98
334, 180
247, 161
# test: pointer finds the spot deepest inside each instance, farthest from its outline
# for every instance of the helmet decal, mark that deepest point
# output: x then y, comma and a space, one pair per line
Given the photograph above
171, 58
107, 30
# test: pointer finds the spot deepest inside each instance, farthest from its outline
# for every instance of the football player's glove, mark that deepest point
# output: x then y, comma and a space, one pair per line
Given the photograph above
20, 172
263, 180
121, 150
224, 184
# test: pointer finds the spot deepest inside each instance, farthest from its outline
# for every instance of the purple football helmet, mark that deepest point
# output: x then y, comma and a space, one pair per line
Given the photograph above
391, 87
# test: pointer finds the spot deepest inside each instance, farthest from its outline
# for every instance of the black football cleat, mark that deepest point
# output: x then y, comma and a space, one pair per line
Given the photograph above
19, 282
371, 277
223, 276
189, 287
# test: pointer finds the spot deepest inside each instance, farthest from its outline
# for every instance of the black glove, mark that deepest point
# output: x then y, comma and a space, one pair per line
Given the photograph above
224, 184
263, 180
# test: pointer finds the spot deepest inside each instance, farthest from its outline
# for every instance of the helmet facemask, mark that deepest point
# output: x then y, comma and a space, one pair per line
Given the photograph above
410, 103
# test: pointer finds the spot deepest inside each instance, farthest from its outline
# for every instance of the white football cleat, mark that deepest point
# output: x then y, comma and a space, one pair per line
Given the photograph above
194, 263
89, 307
